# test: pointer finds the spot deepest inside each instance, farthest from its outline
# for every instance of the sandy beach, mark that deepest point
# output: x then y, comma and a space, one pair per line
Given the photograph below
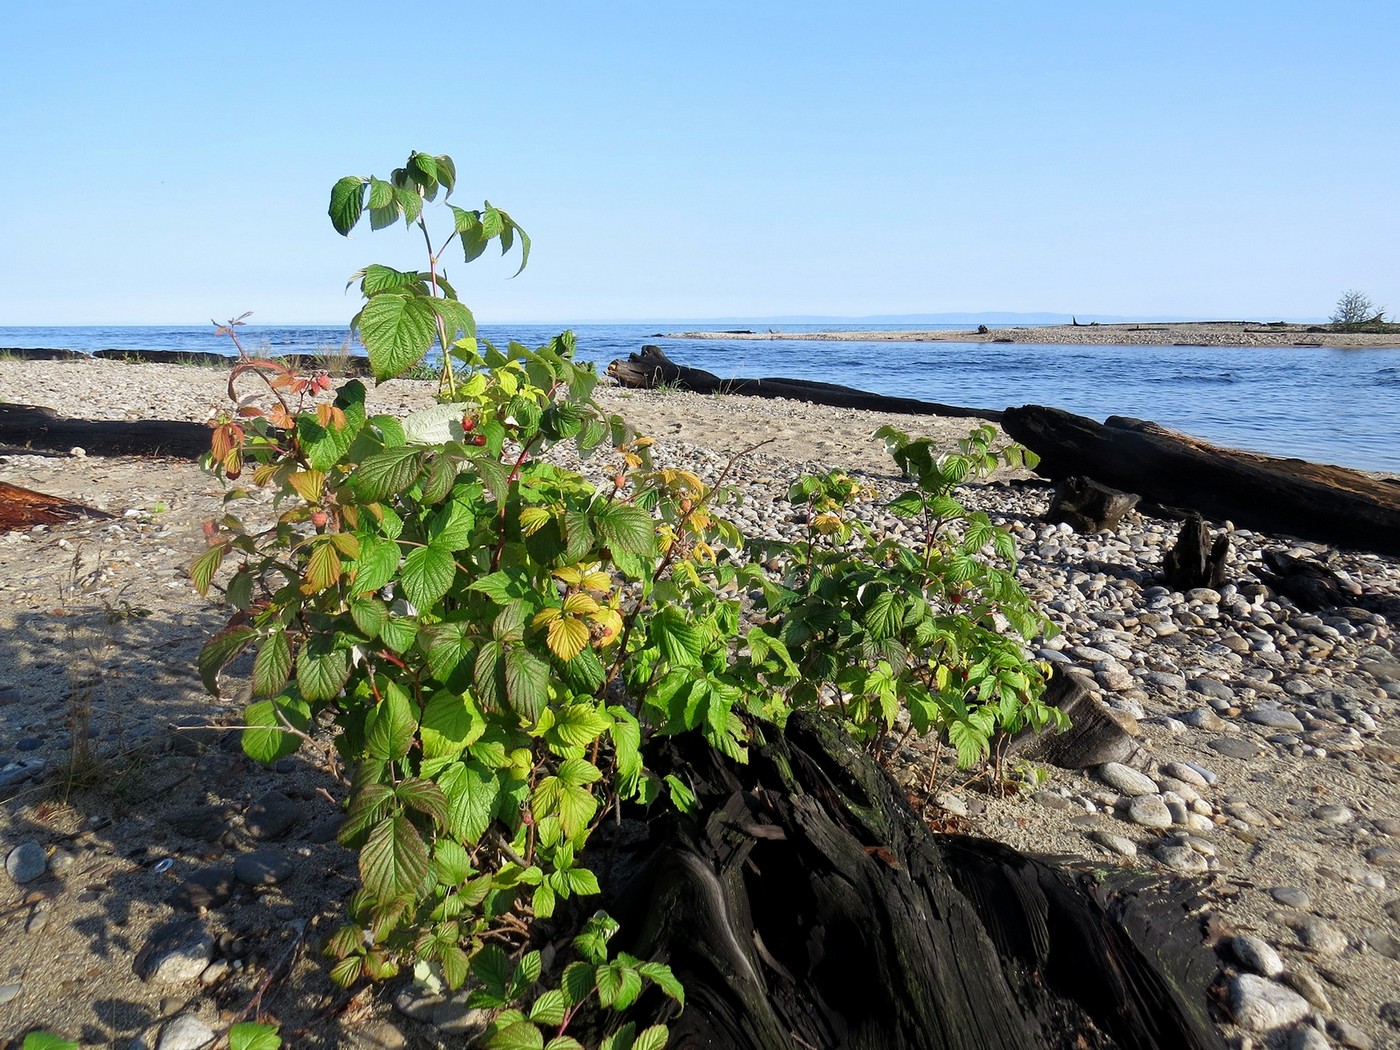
177, 875
1195, 333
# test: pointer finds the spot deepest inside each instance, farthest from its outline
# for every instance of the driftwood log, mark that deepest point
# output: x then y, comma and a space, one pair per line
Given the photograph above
652, 368
1086, 506
807, 906
22, 508
1328, 504
31, 427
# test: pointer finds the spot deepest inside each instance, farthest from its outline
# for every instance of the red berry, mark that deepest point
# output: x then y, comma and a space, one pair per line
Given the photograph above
469, 423
478, 440
319, 518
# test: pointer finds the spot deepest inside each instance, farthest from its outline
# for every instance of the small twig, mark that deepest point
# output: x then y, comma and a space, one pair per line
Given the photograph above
254, 1006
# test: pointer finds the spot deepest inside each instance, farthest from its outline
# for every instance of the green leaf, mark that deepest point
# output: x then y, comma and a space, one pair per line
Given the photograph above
653, 1038
522, 1035
399, 633
427, 575
47, 1041
247, 1035
471, 800
219, 651
550, 1008
387, 473
381, 193
374, 567
577, 982
543, 900
578, 725
683, 797
618, 985
626, 528
885, 615
447, 645
273, 665
378, 279
205, 566
391, 726
322, 668
527, 682
424, 796
680, 642
347, 202
397, 329
660, 974
394, 860
450, 723
370, 615
579, 771
265, 740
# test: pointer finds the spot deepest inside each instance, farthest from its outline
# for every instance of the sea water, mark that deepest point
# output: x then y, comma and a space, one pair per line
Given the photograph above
1325, 405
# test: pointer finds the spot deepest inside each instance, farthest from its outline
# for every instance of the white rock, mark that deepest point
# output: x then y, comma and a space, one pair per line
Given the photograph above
1261, 1005
1126, 780
186, 1032
1257, 954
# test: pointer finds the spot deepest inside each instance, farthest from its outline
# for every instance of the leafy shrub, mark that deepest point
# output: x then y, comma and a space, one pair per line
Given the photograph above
495, 639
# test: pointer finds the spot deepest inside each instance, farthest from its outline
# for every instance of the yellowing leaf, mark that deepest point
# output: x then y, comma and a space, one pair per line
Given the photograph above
532, 519
611, 623
322, 569
547, 615
580, 605
826, 524
308, 484
566, 638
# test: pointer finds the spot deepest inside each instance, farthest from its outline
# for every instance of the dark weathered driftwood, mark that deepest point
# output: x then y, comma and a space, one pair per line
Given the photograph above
808, 907
652, 368
1313, 501
22, 508
28, 426
1094, 736
1307, 581
1196, 561
1087, 506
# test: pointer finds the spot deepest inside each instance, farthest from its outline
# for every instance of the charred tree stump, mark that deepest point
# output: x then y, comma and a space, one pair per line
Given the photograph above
806, 906
1196, 561
1087, 506
652, 368
1329, 504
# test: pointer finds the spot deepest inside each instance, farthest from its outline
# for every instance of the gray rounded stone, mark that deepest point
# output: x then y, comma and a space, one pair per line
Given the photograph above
1321, 937
1235, 747
1119, 844
1291, 896
1261, 1005
263, 867
1182, 859
175, 954
186, 1032
270, 815
1273, 718
1150, 811
1185, 773
1305, 1037
1126, 780
8, 992
26, 862
1257, 954
1333, 814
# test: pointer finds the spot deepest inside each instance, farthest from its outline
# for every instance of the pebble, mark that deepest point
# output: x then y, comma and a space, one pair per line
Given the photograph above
1273, 718
1185, 773
1182, 859
1348, 1034
1119, 844
1291, 896
8, 992
175, 954
1126, 780
1235, 747
26, 862
1149, 811
1309, 987
185, 1032
262, 867
208, 888
1257, 954
1305, 1037
1261, 1005
270, 815
1333, 814
1321, 937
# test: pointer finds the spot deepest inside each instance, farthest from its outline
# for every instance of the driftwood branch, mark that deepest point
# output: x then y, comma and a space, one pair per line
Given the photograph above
652, 368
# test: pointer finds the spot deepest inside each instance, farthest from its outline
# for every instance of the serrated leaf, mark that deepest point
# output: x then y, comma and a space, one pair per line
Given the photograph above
375, 565
543, 900
472, 794
522, 1035
391, 726
399, 633
566, 637
322, 669
527, 682
447, 645
549, 1008
387, 473
435, 425
205, 566
427, 575
577, 806
219, 651
579, 771
680, 642
450, 724
492, 968
626, 528
322, 569
652, 1038
885, 615
424, 796
273, 665
618, 985
394, 860
347, 203
660, 974
266, 740
578, 725
248, 1035
398, 329
370, 615
577, 982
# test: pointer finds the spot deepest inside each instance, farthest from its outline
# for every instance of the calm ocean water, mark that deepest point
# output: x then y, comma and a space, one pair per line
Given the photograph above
1331, 406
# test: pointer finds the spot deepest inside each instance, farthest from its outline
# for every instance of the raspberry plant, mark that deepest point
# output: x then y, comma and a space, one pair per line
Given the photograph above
492, 639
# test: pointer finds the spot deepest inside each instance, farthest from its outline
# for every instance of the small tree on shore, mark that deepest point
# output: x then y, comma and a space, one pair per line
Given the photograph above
1356, 308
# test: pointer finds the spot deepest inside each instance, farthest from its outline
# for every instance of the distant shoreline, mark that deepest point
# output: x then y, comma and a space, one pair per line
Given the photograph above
1186, 333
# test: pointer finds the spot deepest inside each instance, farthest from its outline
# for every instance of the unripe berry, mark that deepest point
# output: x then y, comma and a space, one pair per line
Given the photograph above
319, 518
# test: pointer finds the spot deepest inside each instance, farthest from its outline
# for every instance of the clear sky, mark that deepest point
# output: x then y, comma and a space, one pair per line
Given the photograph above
171, 162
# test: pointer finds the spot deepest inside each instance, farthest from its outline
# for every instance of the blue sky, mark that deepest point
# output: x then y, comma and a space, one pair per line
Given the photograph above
168, 163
